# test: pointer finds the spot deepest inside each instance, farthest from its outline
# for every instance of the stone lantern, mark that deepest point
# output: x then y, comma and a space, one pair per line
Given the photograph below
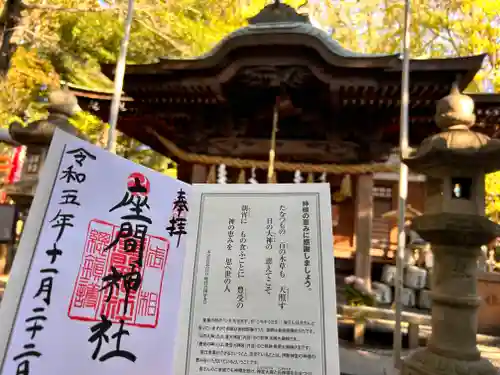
36, 136
455, 162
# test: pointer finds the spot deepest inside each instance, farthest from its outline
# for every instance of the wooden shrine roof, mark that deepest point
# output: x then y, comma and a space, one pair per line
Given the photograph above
280, 47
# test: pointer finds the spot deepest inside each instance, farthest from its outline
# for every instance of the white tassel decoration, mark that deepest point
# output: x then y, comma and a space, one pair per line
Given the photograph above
297, 177
253, 179
221, 174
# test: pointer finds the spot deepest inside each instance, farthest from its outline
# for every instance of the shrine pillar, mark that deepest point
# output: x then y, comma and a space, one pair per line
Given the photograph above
199, 174
363, 227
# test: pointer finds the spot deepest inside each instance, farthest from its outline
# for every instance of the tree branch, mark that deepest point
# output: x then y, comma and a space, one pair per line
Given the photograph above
11, 18
182, 49
96, 9
35, 37
448, 30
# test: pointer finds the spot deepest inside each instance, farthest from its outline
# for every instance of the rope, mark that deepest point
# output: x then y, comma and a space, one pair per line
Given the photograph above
279, 165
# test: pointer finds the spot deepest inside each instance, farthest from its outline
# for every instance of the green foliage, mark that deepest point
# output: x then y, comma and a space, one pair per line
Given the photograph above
492, 187
19, 91
355, 297
83, 73
438, 29
90, 125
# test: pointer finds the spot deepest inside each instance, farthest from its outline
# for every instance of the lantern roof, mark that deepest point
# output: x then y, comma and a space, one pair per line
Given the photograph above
456, 145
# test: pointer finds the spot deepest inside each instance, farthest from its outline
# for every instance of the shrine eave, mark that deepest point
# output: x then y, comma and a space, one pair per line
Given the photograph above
219, 56
483, 101
90, 94
295, 36
491, 98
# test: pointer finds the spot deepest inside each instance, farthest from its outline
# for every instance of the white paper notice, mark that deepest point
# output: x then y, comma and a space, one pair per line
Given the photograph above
95, 286
258, 284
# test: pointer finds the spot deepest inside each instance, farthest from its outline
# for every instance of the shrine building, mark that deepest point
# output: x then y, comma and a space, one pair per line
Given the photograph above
337, 115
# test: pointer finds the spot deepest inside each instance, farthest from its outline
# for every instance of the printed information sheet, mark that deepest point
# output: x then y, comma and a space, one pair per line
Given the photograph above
258, 283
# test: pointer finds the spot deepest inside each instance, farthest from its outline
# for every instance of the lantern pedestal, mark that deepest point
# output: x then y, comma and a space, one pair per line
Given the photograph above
452, 348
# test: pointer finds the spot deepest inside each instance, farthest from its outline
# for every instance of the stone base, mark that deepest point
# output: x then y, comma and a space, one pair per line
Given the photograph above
424, 362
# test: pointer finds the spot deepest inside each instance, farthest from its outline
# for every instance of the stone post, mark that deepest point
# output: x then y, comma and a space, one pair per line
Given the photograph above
455, 301
455, 162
